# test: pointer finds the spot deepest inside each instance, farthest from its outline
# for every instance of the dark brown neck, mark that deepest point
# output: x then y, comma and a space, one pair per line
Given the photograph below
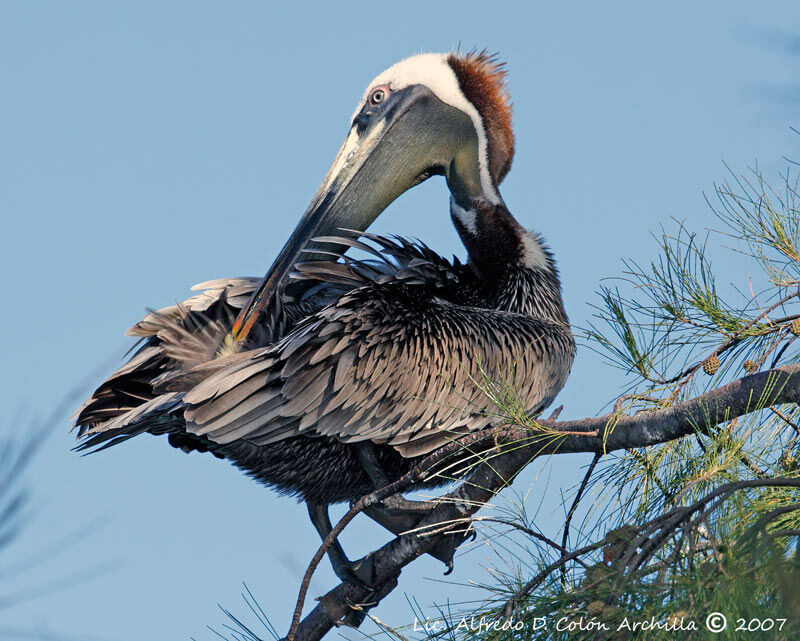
517, 270
496, 242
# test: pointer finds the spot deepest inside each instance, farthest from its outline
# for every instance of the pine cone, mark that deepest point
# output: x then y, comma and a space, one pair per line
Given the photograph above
795, 327
675, 618
596, 608
749, 366
788, 462
711, 365
596, 573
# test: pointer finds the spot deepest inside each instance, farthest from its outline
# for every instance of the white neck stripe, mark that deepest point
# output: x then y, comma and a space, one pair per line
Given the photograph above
466, 217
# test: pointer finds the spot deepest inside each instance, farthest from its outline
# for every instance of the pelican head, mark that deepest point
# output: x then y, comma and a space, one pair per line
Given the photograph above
431, 114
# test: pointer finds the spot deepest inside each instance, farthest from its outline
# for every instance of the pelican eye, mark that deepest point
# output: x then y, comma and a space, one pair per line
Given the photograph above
378, 95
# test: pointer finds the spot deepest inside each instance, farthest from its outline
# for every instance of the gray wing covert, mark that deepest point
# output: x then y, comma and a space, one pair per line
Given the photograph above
379, 366
165, 336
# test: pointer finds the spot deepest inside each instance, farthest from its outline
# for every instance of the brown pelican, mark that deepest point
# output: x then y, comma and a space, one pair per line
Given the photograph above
338, 374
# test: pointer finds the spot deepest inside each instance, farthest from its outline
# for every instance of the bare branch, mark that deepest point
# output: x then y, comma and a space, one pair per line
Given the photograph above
518, 446
575, 502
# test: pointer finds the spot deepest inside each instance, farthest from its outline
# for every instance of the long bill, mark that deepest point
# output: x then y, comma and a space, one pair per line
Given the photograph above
384, 155
324, 215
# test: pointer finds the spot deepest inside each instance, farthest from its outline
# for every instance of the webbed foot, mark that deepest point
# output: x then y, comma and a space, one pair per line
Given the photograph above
401, 520
446, 548
360, 572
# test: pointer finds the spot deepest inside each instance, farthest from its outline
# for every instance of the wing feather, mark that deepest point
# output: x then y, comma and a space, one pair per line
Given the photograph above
355, 372
379, 350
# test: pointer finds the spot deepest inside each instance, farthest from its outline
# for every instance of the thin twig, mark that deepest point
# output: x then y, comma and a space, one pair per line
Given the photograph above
786, 420
509, 606
575, 502
732, 341
521, 445
529, 532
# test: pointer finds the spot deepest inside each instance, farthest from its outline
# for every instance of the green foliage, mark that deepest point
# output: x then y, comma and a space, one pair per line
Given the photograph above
697, 525
662, 321
707, 523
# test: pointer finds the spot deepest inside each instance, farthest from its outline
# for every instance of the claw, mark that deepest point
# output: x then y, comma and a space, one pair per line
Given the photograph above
360, 572
446, 548
353, 619
399, 521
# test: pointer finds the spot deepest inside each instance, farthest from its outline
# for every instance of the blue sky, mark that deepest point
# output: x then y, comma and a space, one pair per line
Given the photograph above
148, 147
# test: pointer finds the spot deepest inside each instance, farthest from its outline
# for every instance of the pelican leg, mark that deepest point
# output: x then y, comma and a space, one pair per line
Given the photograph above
358, 572
396, 502
398, 515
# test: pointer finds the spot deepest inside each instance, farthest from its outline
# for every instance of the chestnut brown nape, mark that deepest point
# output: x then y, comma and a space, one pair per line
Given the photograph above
482, 79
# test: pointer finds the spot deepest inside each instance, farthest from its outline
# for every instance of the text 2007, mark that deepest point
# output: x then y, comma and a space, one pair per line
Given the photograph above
754, 625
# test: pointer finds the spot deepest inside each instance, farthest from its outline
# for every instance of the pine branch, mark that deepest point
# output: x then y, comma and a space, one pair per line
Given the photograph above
515, 447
